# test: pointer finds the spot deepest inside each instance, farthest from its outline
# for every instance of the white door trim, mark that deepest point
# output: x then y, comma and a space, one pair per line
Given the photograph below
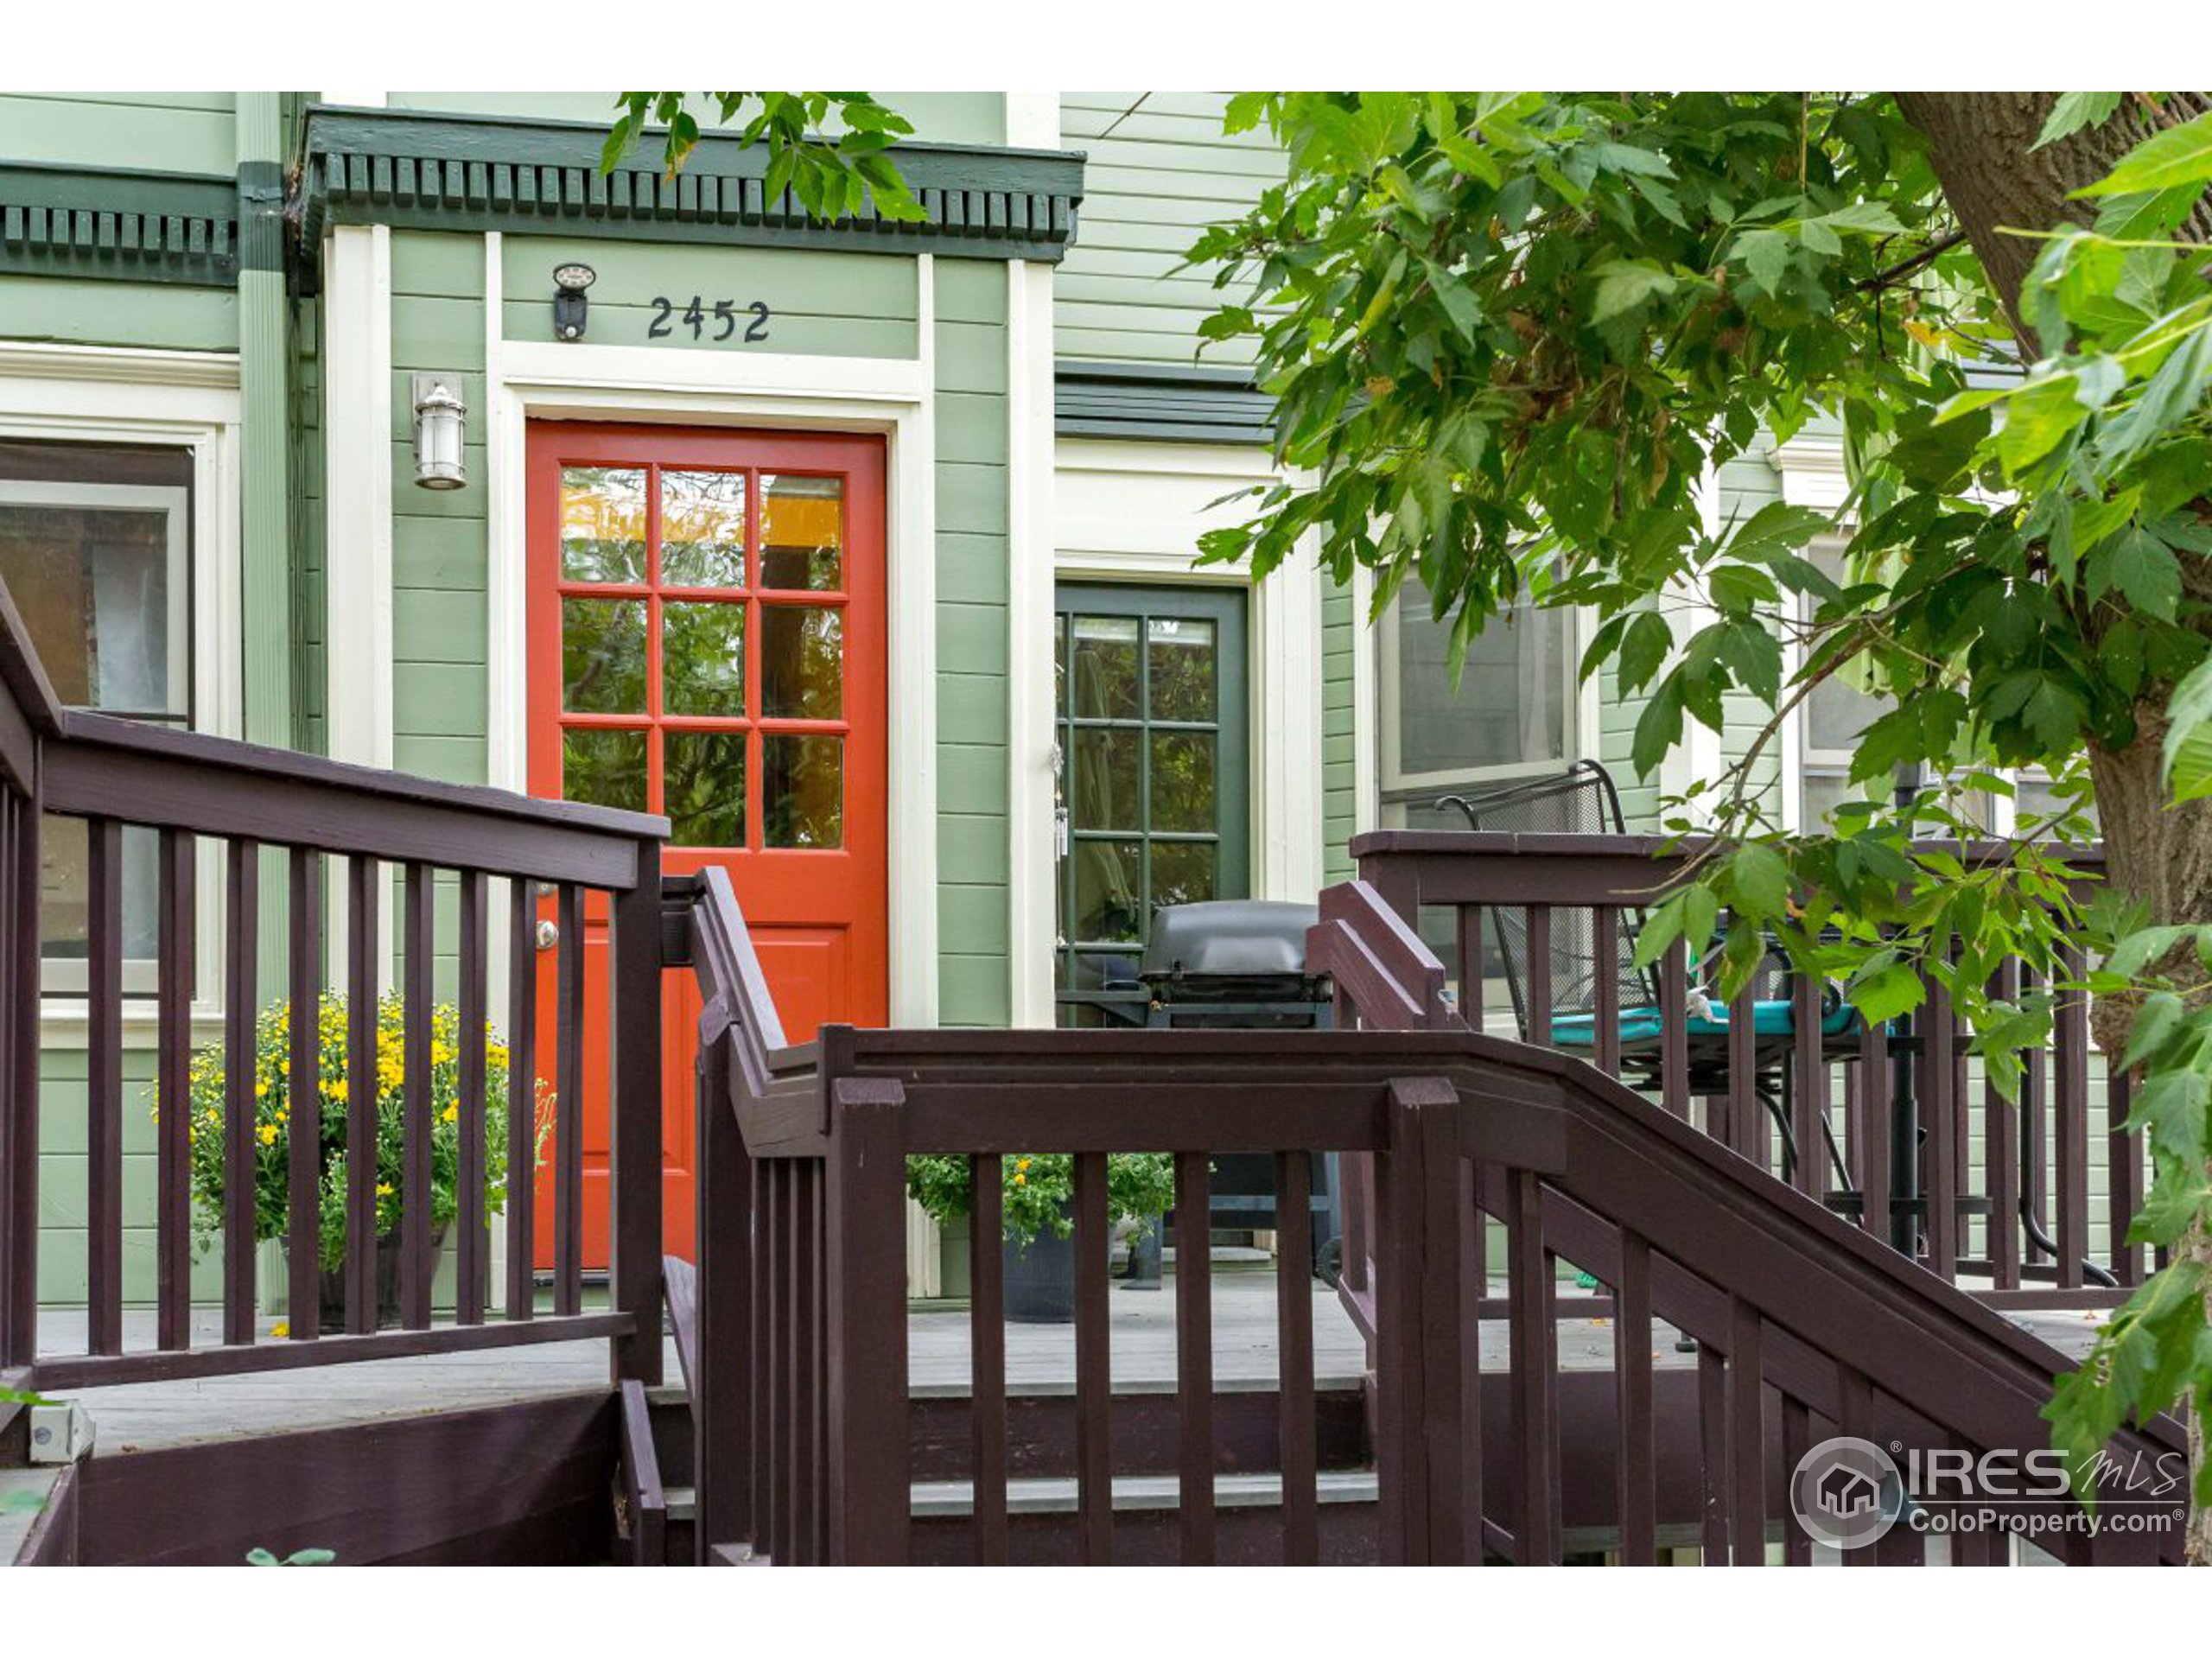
541, 380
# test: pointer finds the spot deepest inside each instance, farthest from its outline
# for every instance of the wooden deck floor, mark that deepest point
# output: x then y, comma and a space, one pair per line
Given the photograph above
1040, 1360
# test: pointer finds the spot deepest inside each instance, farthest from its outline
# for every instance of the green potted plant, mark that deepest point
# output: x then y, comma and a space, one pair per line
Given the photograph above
1037, 1218
274, 1098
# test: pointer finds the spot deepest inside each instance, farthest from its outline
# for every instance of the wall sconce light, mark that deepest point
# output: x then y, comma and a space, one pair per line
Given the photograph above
439, 432
571, 309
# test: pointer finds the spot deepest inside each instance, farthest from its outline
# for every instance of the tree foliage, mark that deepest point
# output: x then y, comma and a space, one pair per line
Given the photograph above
1512, 336
830, 176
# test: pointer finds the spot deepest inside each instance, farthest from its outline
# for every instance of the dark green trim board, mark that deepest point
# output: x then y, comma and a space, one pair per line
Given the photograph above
1193, 403
468, 173
58, 220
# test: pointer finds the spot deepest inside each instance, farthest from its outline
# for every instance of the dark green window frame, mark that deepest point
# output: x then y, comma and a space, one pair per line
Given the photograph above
1227, 609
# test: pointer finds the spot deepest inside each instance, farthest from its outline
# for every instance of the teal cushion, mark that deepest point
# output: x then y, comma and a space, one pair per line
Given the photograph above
1777, 1018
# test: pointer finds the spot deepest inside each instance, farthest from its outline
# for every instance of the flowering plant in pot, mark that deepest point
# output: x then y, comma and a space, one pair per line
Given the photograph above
275, 1118
1037, 1217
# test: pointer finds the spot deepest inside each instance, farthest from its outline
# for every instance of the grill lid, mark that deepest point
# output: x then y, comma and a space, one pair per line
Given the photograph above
1257, 945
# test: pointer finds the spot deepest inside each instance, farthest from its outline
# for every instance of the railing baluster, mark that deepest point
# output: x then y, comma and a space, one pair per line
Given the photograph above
241, 904
2123, 1177
2070, 1094
1606, 969
2001, 1161
1873, 1164
869, 1461
634, 1178
1638, 1428
986, 1351
722, 1391
1796, 1441
1194, 1356
1673, 1029
522, 1099
1809, 1096
468, 1161
303, 1099
1467, 923
1712, 1455
1939, 1101
568, 1103
104, 1090
1538, 1014
2035, 1098
1747, 1433
1747, 1125
417, 1253
173, 1088
798, 1243
1093, 1360
1301, 1537
1529, 1296
775, 1450
361, 1093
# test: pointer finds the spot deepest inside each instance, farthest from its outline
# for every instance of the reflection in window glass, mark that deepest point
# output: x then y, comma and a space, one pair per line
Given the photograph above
603, 524
802, 661
1105, 790
1182, 872
1182, 664
1105, 667
801, 532
704, 787
603, 656
606, 768
1511, 706
1109, 880
1182, 781
703, 530
702, 657
802, 790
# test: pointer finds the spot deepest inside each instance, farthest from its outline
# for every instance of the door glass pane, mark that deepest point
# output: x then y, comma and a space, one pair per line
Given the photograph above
1182, 659
702, 657
603, 656
606, 768
1182, 780
704, 788
703, 530
802, 790
603, 524
1105, 667
1104, 789
801, 532
1107, 874
802, 663
1182, 872
94, 588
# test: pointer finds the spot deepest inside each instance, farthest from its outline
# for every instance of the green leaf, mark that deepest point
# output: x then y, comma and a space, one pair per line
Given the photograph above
2187, 757
1760, 879
2145, 570
1622, 285
2159, 1017
2074, 111
2178, 156
1644, 649
2039, 417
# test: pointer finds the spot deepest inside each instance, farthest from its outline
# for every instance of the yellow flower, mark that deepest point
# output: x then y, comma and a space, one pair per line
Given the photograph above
384, 1189
268, 1135
1021, 1164
337, 1087
451, 1113
281, 1328
1019, 1179
261, 1090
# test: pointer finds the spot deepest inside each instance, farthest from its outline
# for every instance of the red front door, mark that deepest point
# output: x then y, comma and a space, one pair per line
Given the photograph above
706, 628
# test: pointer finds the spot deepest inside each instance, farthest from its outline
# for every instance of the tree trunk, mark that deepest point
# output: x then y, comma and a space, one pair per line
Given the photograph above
1980, 147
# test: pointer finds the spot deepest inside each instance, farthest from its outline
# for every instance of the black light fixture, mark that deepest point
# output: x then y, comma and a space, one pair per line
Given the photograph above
569, 306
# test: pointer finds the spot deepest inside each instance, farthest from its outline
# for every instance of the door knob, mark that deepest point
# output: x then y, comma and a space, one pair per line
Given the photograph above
548, 936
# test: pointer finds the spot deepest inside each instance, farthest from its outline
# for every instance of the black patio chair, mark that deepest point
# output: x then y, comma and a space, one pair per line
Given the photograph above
1583, 800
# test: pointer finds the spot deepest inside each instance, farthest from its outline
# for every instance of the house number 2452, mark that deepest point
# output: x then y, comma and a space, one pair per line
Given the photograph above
725, 317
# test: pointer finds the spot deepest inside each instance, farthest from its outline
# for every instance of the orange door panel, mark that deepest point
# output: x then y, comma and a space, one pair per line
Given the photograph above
707, 640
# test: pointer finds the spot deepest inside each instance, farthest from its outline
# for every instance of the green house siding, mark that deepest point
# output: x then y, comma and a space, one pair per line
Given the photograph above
974, 988
161, 132
1159, 171
938, 117
1340, 625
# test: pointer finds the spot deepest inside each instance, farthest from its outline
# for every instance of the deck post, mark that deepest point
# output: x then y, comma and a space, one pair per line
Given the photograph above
866, 1284
634, 1271
1421, 1181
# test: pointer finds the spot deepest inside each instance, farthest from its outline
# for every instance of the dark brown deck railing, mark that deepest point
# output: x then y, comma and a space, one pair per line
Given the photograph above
1808, 1327
2003, 1194
314, 830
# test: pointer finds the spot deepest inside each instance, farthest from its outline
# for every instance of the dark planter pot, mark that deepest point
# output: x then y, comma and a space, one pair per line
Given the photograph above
1040, 1280
387, 1255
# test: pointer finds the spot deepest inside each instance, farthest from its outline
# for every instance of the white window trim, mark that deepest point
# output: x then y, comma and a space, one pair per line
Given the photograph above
1283, 656
528, 379
188, 400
